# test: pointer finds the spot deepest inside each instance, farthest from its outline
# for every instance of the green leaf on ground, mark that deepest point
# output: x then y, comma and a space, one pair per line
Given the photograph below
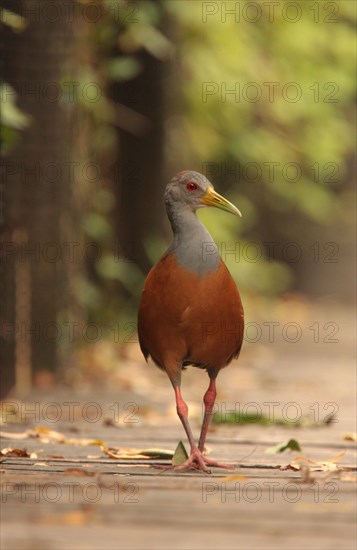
180, 454
291, 445
240, 418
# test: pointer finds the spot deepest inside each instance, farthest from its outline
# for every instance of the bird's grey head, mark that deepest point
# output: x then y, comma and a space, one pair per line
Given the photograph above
190, 190
187, 189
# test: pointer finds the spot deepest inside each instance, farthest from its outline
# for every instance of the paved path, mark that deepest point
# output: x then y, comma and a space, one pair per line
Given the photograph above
71, 496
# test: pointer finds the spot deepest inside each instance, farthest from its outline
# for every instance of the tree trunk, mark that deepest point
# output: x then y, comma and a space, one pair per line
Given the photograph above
37, 192
141, 171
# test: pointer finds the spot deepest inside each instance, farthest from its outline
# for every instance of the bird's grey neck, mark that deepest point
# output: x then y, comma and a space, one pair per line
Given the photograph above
192, 246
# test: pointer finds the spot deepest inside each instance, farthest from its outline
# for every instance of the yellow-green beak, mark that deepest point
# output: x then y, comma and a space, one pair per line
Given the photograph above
211, 198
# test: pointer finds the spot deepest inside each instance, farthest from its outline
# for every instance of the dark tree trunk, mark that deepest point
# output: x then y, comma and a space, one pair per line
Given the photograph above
36, 192
141, 171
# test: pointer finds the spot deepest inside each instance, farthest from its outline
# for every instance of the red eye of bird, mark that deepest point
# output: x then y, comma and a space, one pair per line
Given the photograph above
192, 186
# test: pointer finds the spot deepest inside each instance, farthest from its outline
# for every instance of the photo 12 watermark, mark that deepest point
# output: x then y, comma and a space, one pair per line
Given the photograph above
270, 11
269, 332
255, 92
275, 412
70, 492
91, 12
326, 173
268, 491
54, 412
71, 252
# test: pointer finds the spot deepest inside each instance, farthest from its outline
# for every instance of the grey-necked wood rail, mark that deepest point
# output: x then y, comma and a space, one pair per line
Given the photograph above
190, 311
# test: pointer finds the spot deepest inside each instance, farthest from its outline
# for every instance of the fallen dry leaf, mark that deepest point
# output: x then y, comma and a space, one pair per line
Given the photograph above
234, 478
109, 423
15, 452
350, 437
45, 435
302, 462
132, 454
78, 472
74, 517
348, 476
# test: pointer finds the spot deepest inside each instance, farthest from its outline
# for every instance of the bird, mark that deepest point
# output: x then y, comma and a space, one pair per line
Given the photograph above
190, 311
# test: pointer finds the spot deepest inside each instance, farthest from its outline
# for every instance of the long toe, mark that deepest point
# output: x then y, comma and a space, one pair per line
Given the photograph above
197, 461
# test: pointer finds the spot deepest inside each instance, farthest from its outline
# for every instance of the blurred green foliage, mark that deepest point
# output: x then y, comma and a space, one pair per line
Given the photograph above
294, 103
111, 48
293, 109
13, 120
209, 128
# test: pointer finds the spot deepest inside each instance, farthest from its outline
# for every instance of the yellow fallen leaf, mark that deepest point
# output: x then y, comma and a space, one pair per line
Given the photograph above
234, 478
136, 453
350, 437
45, 435
78, 472
74, 517
348, 476
330, 465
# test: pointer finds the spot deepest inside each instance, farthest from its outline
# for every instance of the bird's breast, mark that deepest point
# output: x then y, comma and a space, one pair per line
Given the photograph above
186, 315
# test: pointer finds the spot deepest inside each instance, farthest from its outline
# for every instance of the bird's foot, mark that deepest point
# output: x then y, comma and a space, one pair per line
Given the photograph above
197, 461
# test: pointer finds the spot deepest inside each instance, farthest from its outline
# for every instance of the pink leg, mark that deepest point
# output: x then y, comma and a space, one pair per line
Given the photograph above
196, 460
209, 399
182, 411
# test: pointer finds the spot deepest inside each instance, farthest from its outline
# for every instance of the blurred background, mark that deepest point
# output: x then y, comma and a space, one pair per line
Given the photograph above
103, 102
